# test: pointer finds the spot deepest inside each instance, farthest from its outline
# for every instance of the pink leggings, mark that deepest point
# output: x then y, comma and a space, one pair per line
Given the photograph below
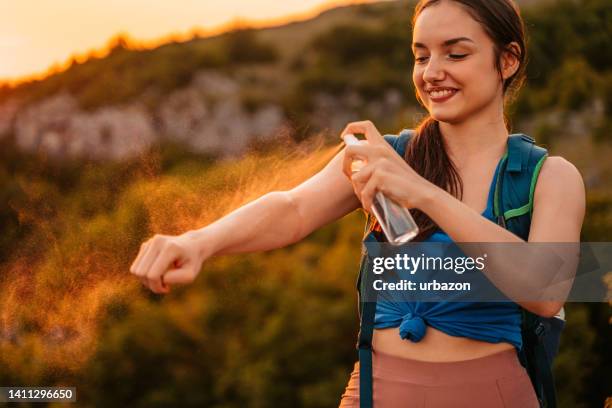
495, 381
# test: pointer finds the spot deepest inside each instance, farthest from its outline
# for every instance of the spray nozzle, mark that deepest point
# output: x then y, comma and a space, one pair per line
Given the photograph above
351, 140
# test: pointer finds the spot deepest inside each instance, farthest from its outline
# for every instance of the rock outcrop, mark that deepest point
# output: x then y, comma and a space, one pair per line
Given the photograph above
206, 116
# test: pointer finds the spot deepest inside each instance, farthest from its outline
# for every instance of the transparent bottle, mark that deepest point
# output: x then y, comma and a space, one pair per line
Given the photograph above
396, 222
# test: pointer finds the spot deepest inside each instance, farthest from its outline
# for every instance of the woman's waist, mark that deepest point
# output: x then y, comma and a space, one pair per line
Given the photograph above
500, 366
435, 346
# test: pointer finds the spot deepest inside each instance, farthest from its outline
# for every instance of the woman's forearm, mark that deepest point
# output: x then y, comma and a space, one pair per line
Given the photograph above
269, 222
523, 272
460, 222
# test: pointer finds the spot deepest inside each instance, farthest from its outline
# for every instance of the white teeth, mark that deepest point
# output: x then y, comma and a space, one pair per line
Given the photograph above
441, 93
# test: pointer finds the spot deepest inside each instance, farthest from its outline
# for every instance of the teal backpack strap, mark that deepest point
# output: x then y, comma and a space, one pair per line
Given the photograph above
519, 172
513, 208
400, 141
367, 309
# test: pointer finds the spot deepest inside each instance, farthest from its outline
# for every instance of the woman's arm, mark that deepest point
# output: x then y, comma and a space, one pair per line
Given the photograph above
281, 218
274, 220
559, 208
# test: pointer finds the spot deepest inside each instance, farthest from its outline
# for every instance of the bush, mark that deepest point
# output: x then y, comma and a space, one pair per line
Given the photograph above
242, 46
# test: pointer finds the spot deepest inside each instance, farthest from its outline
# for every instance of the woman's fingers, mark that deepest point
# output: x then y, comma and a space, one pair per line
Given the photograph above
354, 152
369, 191
140, 269
183, 275
367, 128
146, 258
165, 259
141, 253
365, 153
360, 178
149, 257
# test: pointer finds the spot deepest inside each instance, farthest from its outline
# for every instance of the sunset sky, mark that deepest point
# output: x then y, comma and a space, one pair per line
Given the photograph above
36, 34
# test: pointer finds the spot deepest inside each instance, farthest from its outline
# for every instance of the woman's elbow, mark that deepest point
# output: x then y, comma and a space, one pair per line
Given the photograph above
547, 309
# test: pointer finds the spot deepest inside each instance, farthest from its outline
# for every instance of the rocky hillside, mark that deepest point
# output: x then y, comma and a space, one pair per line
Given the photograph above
215, 95
206, 116
222, 94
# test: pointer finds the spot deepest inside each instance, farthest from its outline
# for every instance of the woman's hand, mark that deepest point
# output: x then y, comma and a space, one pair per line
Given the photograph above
385, 170
164, 260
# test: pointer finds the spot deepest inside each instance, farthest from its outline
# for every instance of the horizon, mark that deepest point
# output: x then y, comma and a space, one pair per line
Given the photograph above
25, 40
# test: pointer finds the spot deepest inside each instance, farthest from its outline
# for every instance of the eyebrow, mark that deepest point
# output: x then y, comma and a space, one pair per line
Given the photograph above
445, 43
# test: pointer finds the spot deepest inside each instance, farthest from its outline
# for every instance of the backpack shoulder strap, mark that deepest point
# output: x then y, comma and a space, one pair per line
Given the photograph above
516, 181
399, 141
367, 309
513, 207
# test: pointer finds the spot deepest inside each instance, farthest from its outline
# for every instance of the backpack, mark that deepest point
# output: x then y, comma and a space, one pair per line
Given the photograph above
513, 206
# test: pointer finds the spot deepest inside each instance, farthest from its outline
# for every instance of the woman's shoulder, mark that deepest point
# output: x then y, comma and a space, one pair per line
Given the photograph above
559, 179
559, 203
559, 171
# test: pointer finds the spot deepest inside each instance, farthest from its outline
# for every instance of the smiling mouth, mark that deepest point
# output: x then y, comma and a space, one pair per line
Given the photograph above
441, 94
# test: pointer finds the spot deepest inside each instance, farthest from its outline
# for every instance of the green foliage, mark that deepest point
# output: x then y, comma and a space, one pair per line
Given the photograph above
243, 47
351, 45
574, 84
598, 223
240, 337
268, 329
603, 130
566, 54
564, 29
370, 61
576, 357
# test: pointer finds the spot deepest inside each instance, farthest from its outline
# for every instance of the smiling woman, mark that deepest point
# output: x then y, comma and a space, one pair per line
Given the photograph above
469, 58
462, 51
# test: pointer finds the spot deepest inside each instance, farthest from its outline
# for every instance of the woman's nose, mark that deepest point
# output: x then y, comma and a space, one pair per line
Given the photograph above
434, 71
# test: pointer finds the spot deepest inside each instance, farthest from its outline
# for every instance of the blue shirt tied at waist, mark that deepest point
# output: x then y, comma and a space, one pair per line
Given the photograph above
492, 322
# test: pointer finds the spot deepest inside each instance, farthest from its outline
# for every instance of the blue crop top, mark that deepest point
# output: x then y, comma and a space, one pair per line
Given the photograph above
493, 322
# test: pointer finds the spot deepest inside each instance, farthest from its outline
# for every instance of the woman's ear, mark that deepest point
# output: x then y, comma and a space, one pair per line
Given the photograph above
510, 60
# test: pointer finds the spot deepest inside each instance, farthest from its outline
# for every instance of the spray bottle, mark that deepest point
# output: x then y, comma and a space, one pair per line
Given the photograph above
396, 222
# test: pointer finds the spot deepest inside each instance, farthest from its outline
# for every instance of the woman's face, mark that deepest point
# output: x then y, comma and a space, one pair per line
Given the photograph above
454, 72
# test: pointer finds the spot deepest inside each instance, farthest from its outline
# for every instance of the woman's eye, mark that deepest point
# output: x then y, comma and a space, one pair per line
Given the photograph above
451, 56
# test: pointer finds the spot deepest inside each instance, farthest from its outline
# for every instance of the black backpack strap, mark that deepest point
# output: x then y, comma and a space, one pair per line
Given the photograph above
367, 297
366, 331
535, 356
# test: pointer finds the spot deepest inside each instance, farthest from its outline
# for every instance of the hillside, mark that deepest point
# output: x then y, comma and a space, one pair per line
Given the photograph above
224, 94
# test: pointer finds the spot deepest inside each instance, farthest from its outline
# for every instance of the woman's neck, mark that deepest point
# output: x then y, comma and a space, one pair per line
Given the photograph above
475, 139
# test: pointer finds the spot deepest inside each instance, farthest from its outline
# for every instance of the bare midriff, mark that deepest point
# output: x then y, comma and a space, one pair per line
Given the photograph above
434, 346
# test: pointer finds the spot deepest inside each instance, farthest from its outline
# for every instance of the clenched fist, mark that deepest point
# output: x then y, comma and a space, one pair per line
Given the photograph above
164, 260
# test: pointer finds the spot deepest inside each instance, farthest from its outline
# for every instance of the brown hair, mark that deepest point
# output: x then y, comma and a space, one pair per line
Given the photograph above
426, 153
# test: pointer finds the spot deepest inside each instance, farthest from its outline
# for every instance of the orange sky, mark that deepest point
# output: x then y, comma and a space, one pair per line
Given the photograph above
36, 34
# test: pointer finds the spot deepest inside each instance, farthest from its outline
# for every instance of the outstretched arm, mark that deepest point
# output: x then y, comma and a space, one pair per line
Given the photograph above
274, 220
281, 218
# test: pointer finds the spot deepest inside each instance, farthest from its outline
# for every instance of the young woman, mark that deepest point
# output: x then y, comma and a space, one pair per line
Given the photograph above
469, 54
